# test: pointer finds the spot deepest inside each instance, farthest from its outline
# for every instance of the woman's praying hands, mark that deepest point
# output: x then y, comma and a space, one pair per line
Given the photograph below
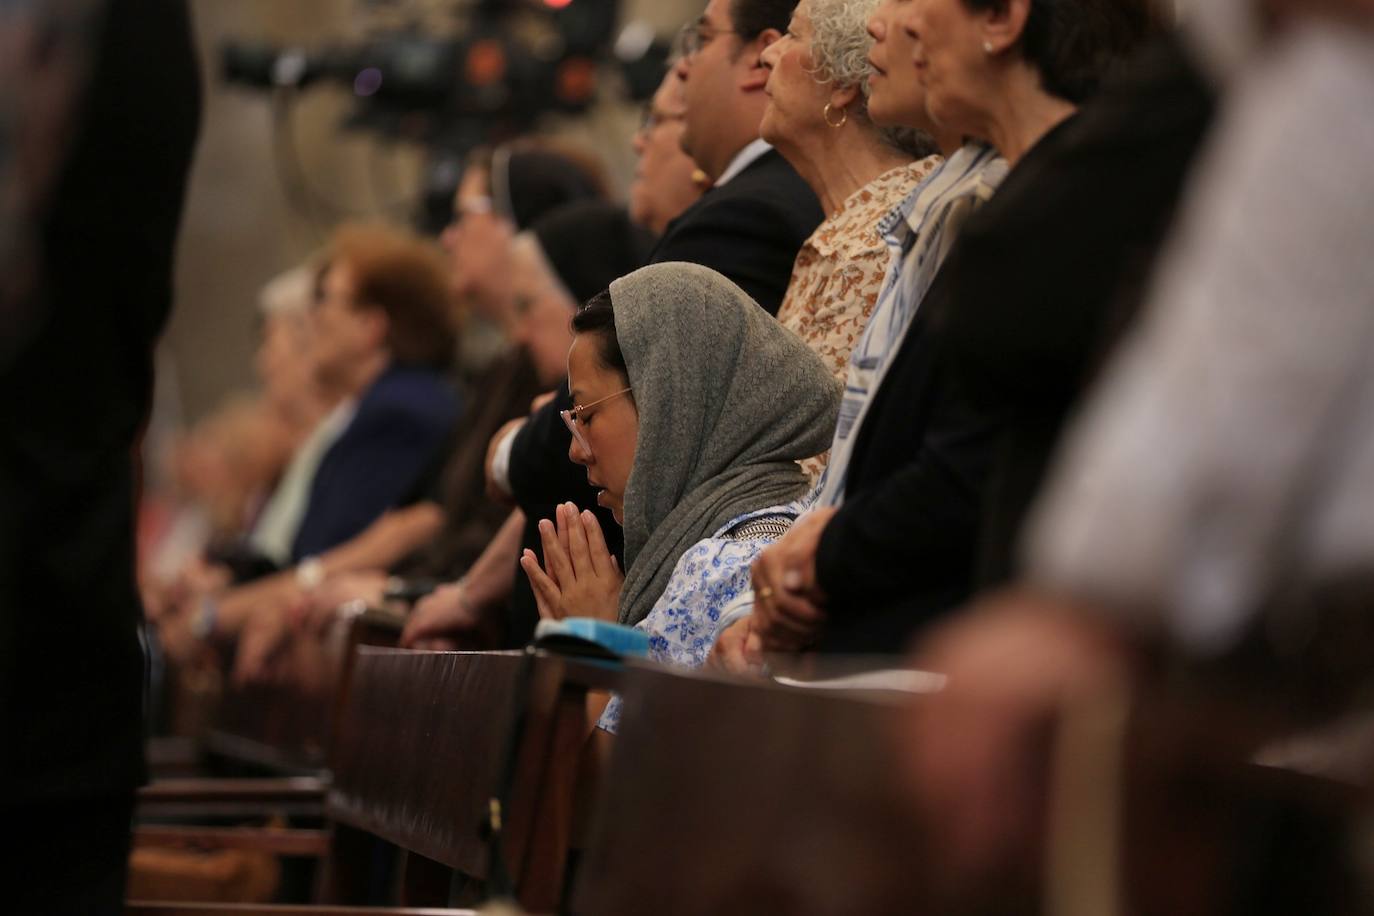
580, 576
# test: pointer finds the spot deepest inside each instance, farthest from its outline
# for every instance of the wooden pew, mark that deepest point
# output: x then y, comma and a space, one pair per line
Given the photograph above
1176, 805
283, 729
419, 756
288, 726
423, 749
745, 798
139, 908
742, 798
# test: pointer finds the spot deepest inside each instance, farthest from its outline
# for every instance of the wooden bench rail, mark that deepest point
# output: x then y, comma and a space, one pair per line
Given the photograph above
290, 726
200, 799
273, 840
300, 788
145, 908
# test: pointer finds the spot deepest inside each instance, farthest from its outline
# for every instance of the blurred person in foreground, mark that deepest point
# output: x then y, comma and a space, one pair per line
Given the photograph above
892, 543
818, 117
75, 392
1245, 548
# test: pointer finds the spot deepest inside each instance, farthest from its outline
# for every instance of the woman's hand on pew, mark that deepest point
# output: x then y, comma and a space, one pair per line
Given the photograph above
440, 615
789, 604
261, 645
580, 577
318, 608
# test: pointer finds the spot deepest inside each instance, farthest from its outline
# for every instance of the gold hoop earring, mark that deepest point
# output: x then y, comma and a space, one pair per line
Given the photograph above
844, 117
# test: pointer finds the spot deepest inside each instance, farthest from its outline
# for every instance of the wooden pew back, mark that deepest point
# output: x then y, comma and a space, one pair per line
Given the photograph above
424, 748
732, 798
288, 725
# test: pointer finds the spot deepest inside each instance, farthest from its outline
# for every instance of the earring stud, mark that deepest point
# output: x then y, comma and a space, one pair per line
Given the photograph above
987, 47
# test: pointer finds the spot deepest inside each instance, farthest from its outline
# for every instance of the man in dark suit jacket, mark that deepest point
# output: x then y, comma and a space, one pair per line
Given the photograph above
749, 229
752, 222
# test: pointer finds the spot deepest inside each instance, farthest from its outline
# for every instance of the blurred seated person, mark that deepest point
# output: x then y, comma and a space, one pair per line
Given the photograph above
570, 255
285, 364
893, 542
819, 118
220, 471
381, 339
581, 245
292, 390
693, 407
666, 180
1242, 550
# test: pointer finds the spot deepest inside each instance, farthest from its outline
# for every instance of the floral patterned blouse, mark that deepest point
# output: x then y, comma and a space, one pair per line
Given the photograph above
685, 621
839, 272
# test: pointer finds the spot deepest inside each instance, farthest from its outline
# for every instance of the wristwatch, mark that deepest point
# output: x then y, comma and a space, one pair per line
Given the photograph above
310, 573
203, 621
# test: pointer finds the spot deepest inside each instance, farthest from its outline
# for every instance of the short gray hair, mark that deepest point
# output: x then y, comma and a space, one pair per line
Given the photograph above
840, 42
839, 55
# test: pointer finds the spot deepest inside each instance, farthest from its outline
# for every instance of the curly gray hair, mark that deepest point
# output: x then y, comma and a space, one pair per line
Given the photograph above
839, 55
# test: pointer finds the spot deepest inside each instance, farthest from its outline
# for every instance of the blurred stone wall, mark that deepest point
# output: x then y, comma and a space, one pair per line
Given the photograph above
240, 229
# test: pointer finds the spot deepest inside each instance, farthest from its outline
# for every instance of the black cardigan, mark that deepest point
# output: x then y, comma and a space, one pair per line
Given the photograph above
960, 433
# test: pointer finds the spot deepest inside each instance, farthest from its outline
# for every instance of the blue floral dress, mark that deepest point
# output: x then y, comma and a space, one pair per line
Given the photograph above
685, 621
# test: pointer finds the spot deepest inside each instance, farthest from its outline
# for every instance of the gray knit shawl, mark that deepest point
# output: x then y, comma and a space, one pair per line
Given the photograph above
728, 401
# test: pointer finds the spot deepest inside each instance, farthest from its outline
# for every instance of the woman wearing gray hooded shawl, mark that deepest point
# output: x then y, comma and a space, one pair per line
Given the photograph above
694, 408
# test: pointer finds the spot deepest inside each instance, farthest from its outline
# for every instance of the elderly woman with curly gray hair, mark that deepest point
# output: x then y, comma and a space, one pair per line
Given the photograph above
861, 159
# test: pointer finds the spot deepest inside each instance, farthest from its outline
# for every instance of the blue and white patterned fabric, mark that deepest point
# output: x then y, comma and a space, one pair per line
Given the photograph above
919, 232
685, 621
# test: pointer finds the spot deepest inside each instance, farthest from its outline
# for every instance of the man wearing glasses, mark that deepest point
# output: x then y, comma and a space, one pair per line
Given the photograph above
752, 222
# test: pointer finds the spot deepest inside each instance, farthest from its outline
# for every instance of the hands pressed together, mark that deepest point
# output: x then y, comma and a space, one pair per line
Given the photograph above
580, 576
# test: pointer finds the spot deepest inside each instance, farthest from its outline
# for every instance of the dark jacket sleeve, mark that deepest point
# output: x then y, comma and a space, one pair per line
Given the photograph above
540, 470
903, 544
738, 238
917, 528
541, 476
750, 230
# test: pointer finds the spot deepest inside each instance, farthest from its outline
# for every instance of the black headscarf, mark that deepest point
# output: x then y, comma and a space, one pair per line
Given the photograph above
590, 243
528, 183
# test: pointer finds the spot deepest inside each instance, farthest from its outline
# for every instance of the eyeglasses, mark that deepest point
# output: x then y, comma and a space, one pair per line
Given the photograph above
574, 418
698, 35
